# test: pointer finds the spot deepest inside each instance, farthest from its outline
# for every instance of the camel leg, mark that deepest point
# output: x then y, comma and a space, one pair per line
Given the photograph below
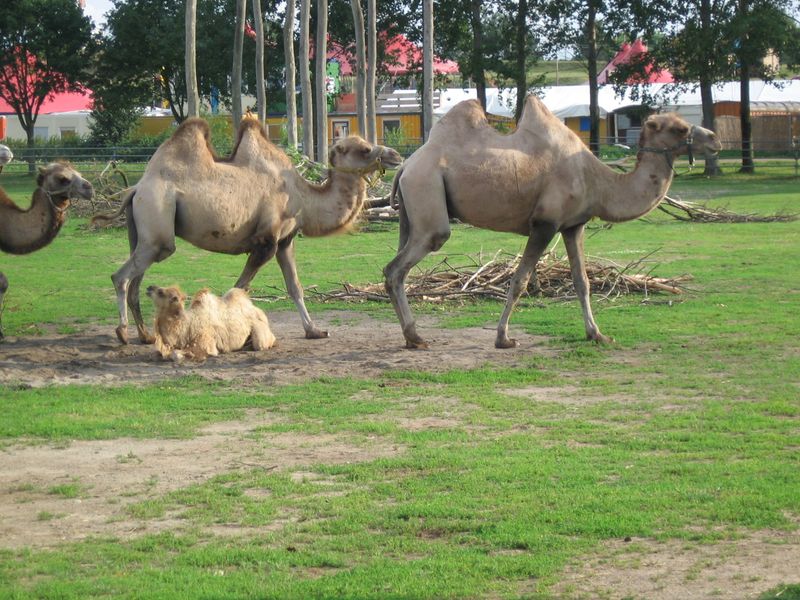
541, 235
257, 258
419, 242
3, 288
134, 268
285, 256
133, 304
573, 240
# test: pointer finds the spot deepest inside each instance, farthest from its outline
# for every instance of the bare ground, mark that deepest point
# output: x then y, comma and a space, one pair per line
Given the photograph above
359, 346
111, 475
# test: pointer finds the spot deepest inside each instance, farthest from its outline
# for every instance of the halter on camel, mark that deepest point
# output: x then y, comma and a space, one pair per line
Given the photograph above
669, 151
371, 173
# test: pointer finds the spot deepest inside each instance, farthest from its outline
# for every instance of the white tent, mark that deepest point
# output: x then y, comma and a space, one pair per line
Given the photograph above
573, 100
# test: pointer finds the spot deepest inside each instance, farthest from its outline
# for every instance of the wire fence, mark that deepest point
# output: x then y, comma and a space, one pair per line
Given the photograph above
769, 155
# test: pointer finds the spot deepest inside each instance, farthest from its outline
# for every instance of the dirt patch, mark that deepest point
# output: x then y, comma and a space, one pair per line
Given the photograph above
55, 495
727, 570
359, 346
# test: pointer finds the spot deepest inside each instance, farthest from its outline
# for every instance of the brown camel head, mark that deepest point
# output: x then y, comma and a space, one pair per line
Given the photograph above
358, 154
61, 182
669, 134
169, 300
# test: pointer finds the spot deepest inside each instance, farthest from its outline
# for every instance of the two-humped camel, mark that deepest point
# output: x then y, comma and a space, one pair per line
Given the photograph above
537, 181
253, 202
25, 231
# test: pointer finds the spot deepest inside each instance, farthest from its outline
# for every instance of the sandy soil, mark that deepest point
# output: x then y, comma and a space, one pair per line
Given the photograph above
359, 346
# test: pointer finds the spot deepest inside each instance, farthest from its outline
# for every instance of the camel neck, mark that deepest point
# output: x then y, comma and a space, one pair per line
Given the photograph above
628, 196
328, 207
25, 231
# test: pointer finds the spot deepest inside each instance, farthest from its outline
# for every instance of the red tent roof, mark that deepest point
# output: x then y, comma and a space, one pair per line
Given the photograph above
627, 53
64, 102
402, 55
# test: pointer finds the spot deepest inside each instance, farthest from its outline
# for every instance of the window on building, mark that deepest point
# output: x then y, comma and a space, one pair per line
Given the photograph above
341, 129
68, 133
41, 133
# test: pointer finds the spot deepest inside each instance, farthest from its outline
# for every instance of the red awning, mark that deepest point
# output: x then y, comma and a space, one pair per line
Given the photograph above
64, 102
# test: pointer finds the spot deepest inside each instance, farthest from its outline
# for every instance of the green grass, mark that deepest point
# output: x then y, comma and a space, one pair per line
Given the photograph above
685, 429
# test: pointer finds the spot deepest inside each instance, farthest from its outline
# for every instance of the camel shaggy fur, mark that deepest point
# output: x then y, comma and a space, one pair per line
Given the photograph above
253, 202
210, 326
537, 181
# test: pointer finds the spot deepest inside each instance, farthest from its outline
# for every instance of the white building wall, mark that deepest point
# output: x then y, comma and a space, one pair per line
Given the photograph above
47, 126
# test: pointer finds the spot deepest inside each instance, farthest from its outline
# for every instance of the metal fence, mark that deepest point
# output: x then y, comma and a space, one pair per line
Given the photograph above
769, 155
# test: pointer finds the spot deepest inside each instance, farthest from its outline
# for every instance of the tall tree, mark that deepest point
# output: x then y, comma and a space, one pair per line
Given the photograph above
427, 68
320, 75
261, 85
45, 48
192, 94
305, 79
372, 62
478, 72
236, 69
361, 67
288, 51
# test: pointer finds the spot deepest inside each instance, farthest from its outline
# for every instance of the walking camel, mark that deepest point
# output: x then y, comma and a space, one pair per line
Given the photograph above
537, 181
253, 202
25, 231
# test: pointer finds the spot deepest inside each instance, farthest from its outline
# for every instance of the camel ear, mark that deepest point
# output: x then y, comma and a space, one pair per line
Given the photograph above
653, 125
40, 177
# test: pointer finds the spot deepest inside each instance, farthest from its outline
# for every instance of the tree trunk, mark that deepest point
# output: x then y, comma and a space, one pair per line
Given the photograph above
594, 103
707, 100
361, 68
320, 62
372, 59
288, 51
478, 73
261, 85
427, 68
748, 166
521, 72
190, 60
744, 97
236, 73
305, 79
706, 93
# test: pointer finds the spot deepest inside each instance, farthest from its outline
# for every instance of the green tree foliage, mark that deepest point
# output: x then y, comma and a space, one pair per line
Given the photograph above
45, 48
142, 58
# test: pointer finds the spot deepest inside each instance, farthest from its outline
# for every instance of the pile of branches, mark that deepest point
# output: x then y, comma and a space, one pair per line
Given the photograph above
476, 279
109, 186
690, 211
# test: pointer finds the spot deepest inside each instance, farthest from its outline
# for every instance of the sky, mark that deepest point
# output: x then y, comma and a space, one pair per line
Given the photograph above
96, 9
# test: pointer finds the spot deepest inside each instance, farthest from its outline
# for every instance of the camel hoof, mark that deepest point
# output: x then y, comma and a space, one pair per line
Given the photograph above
122, 334
601, 339
505, 343
316, 334
416, 344
147, 338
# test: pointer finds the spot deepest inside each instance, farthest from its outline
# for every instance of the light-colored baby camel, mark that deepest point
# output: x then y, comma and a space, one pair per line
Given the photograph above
537, 181
210, 326
254, 202
25, 231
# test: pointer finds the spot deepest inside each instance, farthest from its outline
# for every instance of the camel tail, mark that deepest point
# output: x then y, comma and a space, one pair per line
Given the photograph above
396, 195
103, 220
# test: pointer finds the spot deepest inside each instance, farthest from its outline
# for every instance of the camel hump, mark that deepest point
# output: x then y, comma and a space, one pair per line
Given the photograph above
464, 116
191, 127
535, 112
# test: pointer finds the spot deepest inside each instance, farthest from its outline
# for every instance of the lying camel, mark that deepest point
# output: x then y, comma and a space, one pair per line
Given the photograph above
254, 202
25, 231
212, 325
537, 181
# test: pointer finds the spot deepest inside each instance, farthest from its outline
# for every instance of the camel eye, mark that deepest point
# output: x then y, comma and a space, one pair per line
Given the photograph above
160, 293
680, 130
63, 180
